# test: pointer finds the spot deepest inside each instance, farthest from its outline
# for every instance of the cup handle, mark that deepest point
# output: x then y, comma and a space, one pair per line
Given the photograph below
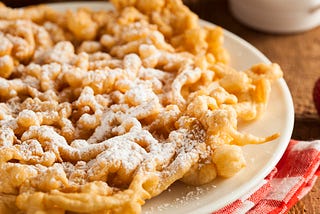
314, 8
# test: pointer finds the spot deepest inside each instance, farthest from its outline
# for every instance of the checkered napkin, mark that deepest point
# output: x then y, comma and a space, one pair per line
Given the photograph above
290, 180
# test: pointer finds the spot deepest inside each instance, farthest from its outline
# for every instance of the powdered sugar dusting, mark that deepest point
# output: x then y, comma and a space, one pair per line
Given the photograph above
187, 195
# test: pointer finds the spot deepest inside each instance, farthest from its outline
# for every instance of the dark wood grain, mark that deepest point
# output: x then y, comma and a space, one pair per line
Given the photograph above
297, 54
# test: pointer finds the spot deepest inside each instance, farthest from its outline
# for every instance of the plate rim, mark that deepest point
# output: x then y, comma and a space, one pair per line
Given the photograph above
284, 138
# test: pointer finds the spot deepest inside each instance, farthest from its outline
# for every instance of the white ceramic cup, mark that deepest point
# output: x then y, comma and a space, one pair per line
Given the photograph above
277, 16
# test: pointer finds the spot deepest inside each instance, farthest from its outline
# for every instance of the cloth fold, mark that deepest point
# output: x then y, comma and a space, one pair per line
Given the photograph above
291, 179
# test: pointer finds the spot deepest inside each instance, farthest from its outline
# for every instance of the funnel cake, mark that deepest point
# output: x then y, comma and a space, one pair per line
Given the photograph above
101, 111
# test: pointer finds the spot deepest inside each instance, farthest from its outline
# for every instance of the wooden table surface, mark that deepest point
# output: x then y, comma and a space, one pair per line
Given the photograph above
297, 54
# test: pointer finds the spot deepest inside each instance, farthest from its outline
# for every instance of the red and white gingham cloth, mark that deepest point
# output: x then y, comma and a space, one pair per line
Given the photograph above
291, 179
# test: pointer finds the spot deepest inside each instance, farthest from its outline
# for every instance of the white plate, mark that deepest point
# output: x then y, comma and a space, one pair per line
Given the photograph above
261, 159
